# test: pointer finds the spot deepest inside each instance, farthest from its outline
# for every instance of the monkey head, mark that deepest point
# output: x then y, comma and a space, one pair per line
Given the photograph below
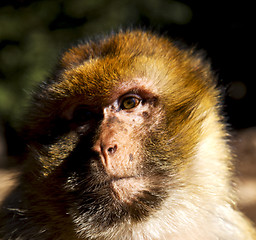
116, 131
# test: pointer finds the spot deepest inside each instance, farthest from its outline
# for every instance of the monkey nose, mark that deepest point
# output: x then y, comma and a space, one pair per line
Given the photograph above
112, 150
106, 151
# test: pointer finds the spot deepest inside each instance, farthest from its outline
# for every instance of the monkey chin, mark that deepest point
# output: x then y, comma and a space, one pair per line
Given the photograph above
128, 189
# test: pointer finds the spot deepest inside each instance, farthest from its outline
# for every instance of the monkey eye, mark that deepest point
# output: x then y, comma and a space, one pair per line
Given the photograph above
81, 114
130, 102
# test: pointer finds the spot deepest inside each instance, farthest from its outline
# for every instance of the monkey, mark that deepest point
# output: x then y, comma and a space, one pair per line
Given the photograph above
126, 140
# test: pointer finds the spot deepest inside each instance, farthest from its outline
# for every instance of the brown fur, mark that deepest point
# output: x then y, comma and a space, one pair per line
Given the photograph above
160, 170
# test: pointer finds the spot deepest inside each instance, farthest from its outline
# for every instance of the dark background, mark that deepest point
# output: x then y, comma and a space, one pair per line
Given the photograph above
32, 33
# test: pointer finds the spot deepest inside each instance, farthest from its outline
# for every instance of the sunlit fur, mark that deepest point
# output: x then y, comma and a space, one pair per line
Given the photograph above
178, 151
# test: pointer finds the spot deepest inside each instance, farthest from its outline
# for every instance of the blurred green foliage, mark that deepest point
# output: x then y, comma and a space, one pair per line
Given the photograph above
32, 33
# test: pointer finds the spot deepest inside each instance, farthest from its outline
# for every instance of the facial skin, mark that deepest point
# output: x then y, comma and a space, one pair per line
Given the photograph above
125, 141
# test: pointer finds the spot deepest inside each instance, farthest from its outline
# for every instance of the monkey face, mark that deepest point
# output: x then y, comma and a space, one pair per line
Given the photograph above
101, 158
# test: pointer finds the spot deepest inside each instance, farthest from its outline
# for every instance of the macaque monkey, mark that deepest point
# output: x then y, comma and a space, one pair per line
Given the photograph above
126, 142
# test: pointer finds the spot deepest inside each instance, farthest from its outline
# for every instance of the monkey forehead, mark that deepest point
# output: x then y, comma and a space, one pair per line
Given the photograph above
101, 81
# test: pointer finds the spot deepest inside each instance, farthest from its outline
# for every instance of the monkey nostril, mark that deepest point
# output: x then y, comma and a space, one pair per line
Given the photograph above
112, 150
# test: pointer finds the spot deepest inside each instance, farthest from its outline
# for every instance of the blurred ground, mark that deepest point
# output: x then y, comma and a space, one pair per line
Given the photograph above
244, 145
